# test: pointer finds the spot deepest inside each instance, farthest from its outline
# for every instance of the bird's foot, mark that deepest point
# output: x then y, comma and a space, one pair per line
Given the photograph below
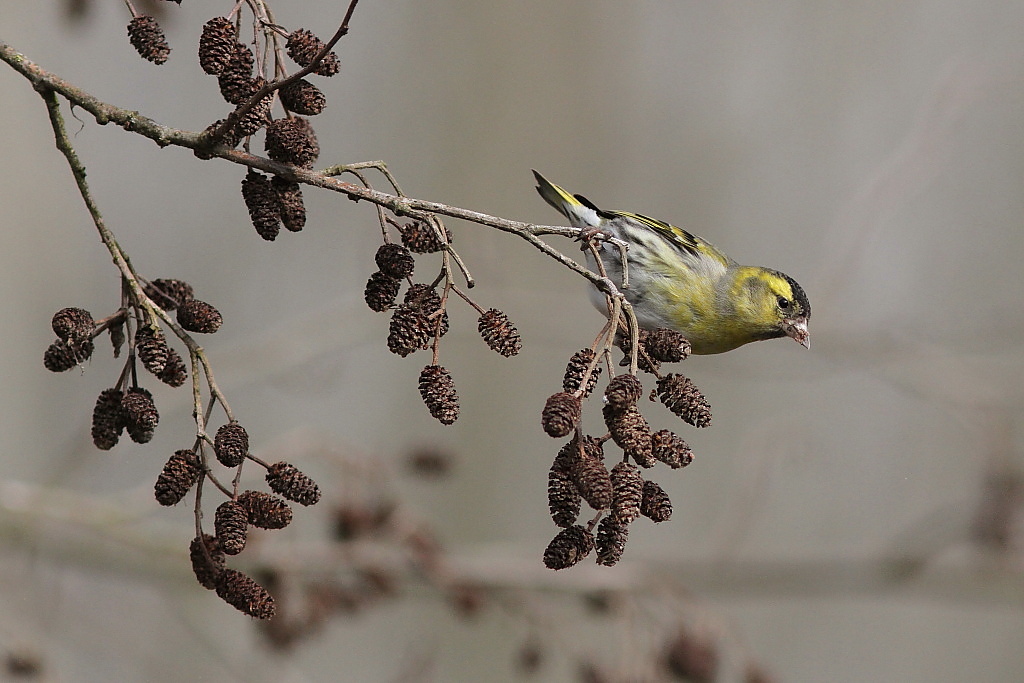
591, 236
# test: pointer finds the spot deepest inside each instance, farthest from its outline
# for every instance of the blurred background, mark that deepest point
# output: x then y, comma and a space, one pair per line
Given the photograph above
854, 513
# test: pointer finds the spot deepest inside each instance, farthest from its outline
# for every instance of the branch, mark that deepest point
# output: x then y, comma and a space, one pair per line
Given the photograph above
118, 256
134, 122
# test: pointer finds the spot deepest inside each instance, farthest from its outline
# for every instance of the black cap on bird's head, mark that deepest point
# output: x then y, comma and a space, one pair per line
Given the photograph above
797, 311
799, 296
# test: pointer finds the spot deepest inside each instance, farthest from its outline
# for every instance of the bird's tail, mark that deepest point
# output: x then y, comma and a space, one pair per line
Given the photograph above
579, 210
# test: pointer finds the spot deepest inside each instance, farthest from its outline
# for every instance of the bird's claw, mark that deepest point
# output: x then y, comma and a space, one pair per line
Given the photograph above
590, 234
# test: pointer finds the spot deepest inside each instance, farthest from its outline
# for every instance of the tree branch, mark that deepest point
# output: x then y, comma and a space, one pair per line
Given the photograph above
134, 122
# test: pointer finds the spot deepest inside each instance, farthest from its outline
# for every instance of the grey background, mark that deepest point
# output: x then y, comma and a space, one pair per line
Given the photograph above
873, 150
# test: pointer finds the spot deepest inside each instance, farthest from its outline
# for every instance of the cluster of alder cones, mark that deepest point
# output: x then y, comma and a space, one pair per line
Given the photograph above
271, 201
619, 495
128, 407
419, 322
234, 516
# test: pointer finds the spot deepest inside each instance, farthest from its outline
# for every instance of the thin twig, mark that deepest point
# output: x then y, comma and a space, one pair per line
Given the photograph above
197, 401
470, 282
465, 297
381, 166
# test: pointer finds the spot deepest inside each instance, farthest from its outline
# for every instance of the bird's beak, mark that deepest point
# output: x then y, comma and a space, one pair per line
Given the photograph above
797, 329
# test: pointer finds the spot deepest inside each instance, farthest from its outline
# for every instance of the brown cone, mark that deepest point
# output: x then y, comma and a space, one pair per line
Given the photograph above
574, 372
438, 391
683, 398
561, 414
180, 474
567, 548
288, 481
303, 47
148, 39
499, 333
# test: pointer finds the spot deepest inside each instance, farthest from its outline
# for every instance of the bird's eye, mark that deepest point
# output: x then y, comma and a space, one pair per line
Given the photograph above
783, 303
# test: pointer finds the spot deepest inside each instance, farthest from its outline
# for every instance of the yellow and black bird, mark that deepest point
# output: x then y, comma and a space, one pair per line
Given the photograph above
680, 281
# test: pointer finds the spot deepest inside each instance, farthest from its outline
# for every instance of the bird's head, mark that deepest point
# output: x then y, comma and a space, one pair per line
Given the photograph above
776, 305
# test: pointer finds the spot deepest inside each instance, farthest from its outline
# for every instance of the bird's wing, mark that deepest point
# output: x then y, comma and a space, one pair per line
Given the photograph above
683, 239
581, 212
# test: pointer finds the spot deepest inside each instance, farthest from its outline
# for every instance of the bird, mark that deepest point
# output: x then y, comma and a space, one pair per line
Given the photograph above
680, 281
